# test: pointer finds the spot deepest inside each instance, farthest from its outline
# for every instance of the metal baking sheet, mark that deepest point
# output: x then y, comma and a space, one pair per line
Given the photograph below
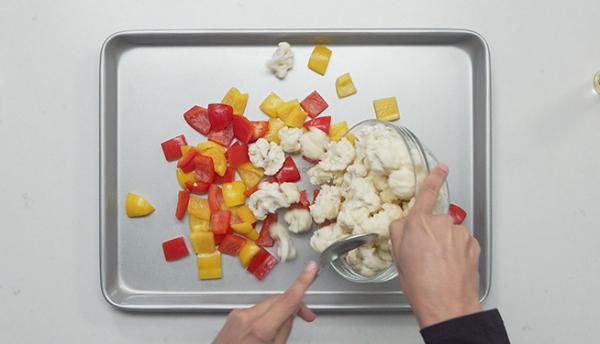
441, 79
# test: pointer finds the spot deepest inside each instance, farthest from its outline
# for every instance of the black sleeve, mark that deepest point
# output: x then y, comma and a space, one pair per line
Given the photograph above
479, 328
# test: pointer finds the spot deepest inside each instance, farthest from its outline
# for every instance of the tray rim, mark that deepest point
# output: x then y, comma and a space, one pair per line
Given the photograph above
322, 31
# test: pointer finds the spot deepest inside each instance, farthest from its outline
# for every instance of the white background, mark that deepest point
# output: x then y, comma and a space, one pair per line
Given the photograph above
546, 146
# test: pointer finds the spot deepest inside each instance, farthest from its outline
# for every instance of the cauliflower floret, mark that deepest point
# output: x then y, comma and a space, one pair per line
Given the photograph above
282, 60
380, 222
267, 155
388, 196
290, 139
324, 237
366, 261
338, 156
352, 214
379, 180
285, 246
382, 148
327, 204
319, 176
402, 183
299, 220
271, 196
313, 143
362, 190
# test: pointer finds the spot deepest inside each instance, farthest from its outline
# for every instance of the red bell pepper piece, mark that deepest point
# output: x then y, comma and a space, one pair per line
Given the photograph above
175, 249
237, 154
288, 172
219, 116
197, 118
315, 194
182, 202
457, 213
314, 104
261, 128
171, 147
312, 161
264, 237
228, 177
326, 223
243, 129
251, 190
215, 198
220, 221
205, 169
261, 264
231, 244
303, 203
186, 163
323, 123
197, 187
222, 137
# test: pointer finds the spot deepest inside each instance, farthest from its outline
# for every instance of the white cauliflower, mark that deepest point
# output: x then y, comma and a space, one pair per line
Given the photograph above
380, 222
267, 155
338, 156
380, 181
324, 237
285, 247
402, 183
327, 204
382, 148
282, 60
313, 143
271, 196
299, 220
366, 261
388, 196
352, 214
362, 190
319, 176
290, 139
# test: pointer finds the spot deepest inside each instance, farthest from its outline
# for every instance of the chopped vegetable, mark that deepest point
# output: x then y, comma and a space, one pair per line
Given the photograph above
457, 213
314, 104
292, 114
197, 118
198, 224
287, 107
244, 213
175, 249
251, 190
243, 129
304, 199
231, 244
271, 103
323, 123
209, 145
236, 99
245, 229
197, 187
205, 169
182, 202
171, 148
273, 134
386, 109
319, 59
260, 129
186, 163
136, 205
228, 177
261, 264
264, 238
199, 207
220, 116
250, 174
248, 251
233, 193
215, 199
202, 242
184, 149
217, 153
222, 137
184, 178
288, 172
220, 221
338, 130
237, 154
315, 194
312, 161
344, 86
209, 266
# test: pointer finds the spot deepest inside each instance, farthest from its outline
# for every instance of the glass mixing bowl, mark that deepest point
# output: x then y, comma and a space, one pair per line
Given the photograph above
422, 160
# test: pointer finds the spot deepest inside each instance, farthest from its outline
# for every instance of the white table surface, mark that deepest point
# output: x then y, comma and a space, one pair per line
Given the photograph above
546, 153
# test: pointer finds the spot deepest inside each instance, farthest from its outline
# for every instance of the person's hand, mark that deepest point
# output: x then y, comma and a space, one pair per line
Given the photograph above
271, 320
437, 261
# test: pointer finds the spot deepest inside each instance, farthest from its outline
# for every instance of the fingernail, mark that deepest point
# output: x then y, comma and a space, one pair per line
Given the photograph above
311, 266
443, 167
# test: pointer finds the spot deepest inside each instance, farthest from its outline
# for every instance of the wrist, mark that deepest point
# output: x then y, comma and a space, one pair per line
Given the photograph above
431, 314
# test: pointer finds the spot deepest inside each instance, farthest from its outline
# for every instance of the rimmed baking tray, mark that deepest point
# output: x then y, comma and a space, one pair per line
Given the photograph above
441, 78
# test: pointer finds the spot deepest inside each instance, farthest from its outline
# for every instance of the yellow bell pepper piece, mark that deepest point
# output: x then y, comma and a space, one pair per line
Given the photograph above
245, 229
183, 178
184, 149
275, 124
198, 225
202, 242
338, 130
344, 86
294, 119
351, 137
245, 214
250, 174
233, 193
386, 109
319, 59
208, 145
136, 205
248, 251
236, 99
271, 104
217, 153
287, 108
199, 207
209, 265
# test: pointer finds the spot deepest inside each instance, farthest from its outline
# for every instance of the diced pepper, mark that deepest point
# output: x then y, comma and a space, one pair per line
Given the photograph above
236, 99
242, 129
197, 187
262, 263
338, 130
275, 124
271, 104
288, 172
244, 213
220, 221
245, 229
222, 137
184, 149
184, 178
198, 224
295, 119
248, 251
174, 249
314, 104
304, 199
199, 207
386, 109
205, 169
250, 174
202, 242
215, 199
457, 213
231, 244
312, 161
136, 205
220, 116
171, 148
219, 238
319, 59
228, 177
217, 153
186, 163
209, 266
197, 118
286, 108
344, 86
315, 194
264, 238
210, 145
250, 191
351, 137
183, 198
233, 193
237, 154
260, 129
323, 123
